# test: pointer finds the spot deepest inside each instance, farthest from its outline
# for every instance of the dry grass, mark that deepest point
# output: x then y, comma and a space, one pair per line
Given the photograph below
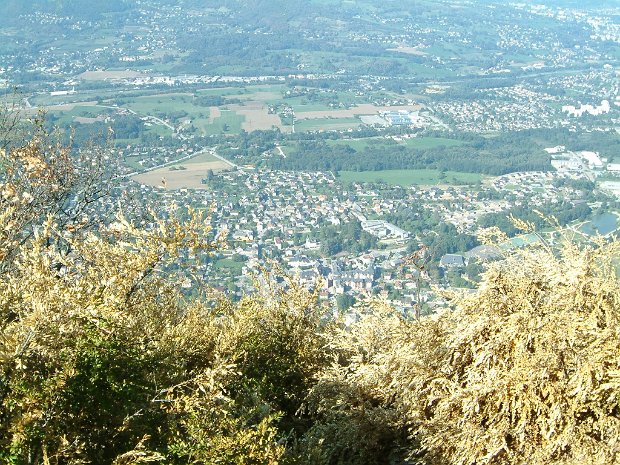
257, 116
408, 51
189, 178
214, 113
86, 120
260, 96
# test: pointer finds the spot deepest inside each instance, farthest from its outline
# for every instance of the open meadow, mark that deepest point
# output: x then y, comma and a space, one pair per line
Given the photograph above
185, 175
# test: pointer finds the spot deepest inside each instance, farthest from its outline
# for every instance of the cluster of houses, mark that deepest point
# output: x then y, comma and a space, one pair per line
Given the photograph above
267, 215
530, 105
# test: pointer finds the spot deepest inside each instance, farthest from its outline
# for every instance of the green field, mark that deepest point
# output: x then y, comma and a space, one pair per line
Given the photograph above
229, 264
205, 157
88, 111
302, 104
411, 177
229, 122
357, 144
166, 102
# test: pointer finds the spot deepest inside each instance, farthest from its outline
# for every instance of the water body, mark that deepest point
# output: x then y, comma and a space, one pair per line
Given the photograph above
600, 224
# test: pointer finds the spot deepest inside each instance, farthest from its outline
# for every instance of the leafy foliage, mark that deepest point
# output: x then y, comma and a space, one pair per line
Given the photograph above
525, 370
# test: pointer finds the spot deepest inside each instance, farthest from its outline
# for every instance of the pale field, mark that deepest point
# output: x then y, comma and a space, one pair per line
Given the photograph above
364, 109
214, 112
332, 127
257, 116
259, 96
165, 94
62, 107
86, 120
189, 178
102, 75
408, 51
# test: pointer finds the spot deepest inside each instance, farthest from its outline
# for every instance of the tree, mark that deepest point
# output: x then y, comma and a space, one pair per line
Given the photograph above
331, 246
41, 176
344, 302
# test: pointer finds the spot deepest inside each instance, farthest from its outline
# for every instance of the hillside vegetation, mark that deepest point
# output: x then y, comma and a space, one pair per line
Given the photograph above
103, 361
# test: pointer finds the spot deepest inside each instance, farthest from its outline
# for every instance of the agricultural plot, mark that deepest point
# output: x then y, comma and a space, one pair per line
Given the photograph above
185, 175
408, 51
234, 109
221, 91
256, 117
84, 114
208, 120
151, 105
227, 122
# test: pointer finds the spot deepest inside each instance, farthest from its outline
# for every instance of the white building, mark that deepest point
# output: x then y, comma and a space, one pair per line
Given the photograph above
592, 159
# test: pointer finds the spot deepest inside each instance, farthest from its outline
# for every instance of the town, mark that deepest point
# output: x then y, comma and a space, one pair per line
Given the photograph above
343, 146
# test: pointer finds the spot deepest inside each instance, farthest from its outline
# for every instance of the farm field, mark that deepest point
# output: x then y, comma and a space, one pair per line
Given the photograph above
150, 105
326, 124
411, 177
256, 116
186, 175
380, 143
228, 121
249, 108
223, 110
77, 113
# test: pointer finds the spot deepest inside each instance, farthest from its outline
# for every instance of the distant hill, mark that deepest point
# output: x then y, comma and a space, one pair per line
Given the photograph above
10, 10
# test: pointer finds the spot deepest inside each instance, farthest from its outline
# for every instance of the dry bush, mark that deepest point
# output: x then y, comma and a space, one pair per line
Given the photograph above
275, 338
529, 365
355, 419
101, 359
526, 370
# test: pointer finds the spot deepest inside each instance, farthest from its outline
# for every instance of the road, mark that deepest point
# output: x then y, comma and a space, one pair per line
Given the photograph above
225, 161
177, 161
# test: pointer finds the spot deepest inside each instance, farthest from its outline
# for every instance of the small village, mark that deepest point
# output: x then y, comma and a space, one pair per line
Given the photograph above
278, 217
